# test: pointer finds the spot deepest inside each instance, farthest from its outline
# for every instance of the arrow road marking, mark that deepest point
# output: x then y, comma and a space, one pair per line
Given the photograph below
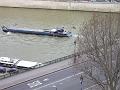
58, 81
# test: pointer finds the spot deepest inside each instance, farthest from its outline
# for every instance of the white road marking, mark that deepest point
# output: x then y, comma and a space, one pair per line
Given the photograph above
46, 79
34, 84
58, 81
54, 86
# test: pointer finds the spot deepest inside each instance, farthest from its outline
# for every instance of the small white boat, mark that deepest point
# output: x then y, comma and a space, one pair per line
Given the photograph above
5, 61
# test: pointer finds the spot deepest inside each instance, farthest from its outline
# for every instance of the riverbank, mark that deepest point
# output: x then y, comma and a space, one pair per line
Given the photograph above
30, 75
83, 6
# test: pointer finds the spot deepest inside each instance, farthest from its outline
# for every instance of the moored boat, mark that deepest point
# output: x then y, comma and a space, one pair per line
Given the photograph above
10, 62
59, 32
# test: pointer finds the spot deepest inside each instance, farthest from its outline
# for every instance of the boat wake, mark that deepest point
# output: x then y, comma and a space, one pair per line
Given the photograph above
75, 35
9, 33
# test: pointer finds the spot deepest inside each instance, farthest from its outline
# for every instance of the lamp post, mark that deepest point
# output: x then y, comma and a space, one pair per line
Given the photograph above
75, 52
81, 82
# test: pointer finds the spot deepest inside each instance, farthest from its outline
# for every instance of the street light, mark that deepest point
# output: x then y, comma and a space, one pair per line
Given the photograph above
81, 79
75, 52
55, 87
81, 82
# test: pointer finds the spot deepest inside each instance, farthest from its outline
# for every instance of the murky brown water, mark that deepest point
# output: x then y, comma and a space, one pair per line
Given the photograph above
39, 48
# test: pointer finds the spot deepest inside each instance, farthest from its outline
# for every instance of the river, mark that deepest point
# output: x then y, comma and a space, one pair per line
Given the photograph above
39, 48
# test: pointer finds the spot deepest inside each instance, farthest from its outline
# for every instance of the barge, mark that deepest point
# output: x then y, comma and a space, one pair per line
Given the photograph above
59, 32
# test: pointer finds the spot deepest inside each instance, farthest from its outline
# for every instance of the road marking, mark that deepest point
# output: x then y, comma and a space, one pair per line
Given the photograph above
54, 86
34, 84
46, 79
58, 81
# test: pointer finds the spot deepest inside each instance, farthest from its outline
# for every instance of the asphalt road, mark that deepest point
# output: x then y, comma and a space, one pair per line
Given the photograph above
67, 79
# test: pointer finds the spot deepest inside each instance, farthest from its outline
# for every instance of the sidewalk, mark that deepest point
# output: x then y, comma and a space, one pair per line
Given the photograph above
13, 80
83, 6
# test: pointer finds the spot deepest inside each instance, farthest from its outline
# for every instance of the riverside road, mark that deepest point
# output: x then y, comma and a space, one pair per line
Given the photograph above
66, 79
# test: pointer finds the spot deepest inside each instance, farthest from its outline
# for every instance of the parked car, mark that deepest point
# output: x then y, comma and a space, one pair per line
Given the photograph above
12, 70
2, 69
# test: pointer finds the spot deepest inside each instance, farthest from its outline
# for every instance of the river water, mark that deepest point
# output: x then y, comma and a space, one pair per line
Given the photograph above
39, 48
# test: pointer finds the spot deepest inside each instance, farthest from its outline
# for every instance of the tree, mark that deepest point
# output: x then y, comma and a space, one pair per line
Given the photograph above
100, 41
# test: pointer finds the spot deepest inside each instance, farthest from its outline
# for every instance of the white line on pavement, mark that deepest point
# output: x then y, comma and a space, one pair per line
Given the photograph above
58, 81
46, 79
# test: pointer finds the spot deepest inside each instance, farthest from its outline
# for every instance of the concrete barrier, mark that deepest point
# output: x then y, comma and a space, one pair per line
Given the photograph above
83, 6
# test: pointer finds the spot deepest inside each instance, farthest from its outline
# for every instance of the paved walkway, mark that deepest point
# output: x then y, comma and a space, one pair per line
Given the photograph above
13, 80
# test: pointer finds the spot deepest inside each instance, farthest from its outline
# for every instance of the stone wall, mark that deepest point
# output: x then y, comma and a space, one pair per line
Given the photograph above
84, 6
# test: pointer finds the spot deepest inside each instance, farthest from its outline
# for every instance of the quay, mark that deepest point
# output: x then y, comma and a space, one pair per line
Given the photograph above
32, 74
69, 5
43, 69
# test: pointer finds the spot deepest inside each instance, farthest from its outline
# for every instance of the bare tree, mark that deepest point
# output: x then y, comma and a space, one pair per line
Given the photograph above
100, 40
